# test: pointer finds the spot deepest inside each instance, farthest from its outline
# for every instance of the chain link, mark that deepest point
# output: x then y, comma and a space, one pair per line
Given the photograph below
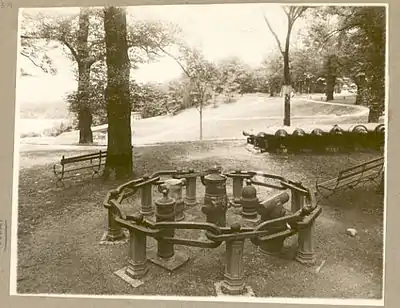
215, 235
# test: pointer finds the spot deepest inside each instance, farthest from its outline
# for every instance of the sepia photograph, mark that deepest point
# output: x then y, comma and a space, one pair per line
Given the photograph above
217, 151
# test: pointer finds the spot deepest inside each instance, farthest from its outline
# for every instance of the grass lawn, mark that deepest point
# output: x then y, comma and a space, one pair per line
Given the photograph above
342, 98
59, 231
250, 111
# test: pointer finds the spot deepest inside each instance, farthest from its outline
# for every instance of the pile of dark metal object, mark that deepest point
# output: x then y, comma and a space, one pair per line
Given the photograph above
331, 138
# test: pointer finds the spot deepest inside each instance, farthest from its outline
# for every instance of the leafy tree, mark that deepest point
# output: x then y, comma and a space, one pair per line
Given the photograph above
179, 95
260, 80
235, 76
119, 146
149, 99
365, 30
324, 43
201, 76
292, 14
273, 68
82, 38
35, 50
73, 32
306, 67
355, 46
96, 95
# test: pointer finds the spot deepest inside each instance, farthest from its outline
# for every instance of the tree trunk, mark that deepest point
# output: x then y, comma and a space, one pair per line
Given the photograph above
330, 64
201, 121
360, 82
119, 146
373, 115
286, 76
84, 111
359, 98
330, 86
377, 97
286, 82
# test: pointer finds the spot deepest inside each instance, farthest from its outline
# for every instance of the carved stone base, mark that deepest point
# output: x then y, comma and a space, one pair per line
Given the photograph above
221, 289
306, 258
146, 212
190, 202
235, 203
137, 270
171, 264
123, 274
255, 219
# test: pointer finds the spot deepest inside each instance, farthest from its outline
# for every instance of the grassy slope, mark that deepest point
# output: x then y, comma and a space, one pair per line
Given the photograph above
253, 111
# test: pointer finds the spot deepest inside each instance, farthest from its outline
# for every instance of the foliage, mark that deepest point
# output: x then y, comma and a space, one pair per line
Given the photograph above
351, 41
365, 31
96, 97
149, 99
82, 38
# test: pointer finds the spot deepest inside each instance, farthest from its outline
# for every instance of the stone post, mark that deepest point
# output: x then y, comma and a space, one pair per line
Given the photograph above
166, 256
165, 212
175, 188
137, 264
114, 231
306, 237
233, 283
249, 201
237, 186
191, 182
305, 251
147, 198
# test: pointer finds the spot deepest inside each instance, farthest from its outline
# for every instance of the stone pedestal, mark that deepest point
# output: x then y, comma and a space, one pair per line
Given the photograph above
305, 252
147, 199
237, 186
165, 256
233, 283
114, 232
249, 202
175, 189
137, 264
137, 267
191, 182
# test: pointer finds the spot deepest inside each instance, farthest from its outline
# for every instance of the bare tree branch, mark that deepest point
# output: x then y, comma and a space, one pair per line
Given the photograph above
326, 39
274, 34
33, 61
176, 60
71, 48
62, 40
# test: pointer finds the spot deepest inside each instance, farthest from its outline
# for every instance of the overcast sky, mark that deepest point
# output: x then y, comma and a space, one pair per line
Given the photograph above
220, 30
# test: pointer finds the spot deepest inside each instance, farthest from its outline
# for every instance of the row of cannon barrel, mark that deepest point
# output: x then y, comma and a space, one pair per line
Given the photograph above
346, 137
